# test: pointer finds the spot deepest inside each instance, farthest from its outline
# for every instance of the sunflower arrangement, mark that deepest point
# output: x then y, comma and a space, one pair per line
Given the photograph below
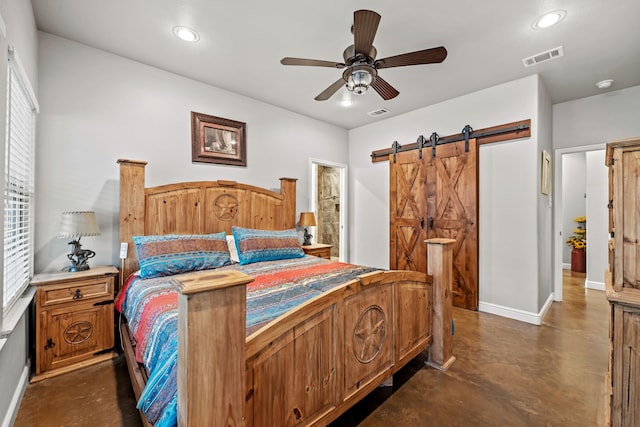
579, 238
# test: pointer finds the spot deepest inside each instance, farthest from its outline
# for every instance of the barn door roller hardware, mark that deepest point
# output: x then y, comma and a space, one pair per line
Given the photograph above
521, 129
395, 147
434, 140
466, 131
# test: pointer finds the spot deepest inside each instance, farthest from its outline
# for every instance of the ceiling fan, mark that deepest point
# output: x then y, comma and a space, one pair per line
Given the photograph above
361, 66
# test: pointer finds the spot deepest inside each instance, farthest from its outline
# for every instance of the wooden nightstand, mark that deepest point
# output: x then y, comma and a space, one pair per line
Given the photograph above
74, 320
318, 249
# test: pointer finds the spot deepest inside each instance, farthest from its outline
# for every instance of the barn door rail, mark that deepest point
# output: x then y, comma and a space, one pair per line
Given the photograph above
515, 130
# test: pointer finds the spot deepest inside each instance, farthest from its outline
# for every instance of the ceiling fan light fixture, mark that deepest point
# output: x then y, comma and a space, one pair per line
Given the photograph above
359, 81
185, 33
548, 19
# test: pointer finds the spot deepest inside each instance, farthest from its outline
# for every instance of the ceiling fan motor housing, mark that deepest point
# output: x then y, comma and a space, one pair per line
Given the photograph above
360, 71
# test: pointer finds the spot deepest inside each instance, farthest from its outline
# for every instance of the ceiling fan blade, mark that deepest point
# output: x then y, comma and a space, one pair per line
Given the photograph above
311, 62
426, 56
326, 94
365, 25
384, 89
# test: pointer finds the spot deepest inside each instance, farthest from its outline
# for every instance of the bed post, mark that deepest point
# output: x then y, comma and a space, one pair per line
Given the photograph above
132, 208
288, 190
440, 267
211, 348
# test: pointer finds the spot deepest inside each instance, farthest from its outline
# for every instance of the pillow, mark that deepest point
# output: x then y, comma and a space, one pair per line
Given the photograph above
175, 254
233, 251
266, 245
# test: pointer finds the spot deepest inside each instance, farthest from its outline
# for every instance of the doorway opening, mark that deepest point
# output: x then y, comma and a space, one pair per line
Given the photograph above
328, 200
590, 196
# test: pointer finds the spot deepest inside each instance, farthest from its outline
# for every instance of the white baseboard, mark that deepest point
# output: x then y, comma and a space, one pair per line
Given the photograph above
566, 266
12, 411
516, 314
598, 286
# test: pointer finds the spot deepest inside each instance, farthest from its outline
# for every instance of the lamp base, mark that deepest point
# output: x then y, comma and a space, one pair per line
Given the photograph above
307, 237
79, 257
75, 268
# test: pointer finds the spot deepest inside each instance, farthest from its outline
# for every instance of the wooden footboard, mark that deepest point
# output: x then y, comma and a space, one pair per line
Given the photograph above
311, 365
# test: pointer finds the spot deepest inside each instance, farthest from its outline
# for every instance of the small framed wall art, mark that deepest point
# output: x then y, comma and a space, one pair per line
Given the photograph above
218, 140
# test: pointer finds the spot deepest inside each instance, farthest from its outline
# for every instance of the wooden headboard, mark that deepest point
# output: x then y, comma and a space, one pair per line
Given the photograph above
200, 207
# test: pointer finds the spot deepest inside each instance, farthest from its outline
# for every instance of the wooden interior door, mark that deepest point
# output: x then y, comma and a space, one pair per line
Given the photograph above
407, 203
452, 212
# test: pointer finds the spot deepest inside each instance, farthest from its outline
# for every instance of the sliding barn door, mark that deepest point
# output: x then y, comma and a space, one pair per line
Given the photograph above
436, 197
452, 212
407, 213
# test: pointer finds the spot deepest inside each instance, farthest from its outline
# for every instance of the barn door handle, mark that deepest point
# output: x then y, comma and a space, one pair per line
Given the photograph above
422, 222
430, 223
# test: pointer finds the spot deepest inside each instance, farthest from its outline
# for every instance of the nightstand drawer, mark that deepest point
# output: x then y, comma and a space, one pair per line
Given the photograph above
77, 291
318, 249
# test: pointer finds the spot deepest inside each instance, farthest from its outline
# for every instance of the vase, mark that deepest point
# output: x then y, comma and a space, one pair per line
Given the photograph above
579, 260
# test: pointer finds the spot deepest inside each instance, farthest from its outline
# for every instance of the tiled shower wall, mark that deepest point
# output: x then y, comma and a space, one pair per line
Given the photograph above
328, 230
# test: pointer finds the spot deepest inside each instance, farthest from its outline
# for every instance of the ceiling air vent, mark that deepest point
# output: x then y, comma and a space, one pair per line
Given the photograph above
377, 113
543, 56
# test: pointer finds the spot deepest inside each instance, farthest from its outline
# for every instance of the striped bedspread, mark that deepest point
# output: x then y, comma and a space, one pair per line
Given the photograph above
151, 309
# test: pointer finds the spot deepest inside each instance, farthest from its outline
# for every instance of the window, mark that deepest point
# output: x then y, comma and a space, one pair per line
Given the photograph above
18, 183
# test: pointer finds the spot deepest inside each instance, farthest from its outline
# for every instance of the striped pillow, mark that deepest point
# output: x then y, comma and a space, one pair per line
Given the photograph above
266, 245
174, 254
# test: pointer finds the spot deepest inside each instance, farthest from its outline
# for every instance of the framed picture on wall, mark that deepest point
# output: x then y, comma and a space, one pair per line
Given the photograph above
218, 140
545, 176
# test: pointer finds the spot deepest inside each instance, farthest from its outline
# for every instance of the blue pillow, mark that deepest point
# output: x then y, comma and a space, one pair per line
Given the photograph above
174, 254
266, 245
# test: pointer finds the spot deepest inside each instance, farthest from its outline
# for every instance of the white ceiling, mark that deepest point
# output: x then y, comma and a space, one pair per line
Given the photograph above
242, 41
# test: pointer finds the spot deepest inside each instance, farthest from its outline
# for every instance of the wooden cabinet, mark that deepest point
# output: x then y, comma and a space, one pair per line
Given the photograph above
318, 249
623, 283
74, 320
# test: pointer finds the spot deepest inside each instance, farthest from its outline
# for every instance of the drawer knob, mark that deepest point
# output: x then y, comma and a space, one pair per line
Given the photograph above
49, 344
77, 294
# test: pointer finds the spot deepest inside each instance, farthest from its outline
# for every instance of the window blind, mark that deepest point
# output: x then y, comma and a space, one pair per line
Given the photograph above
18, 185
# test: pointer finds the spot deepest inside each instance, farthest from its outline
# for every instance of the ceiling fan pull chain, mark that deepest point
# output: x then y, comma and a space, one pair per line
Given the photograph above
466, 131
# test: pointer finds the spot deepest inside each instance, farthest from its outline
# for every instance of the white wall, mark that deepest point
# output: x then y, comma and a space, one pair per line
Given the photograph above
508, 211
597, 119
588, 122
545, 217
597, 188
97, 107
574, 190
22, 35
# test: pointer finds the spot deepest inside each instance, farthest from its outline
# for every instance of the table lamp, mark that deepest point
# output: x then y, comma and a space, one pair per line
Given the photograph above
307, 219
73, 226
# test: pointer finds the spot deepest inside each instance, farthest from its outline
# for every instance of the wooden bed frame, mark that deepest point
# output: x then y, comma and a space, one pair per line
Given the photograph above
306, 367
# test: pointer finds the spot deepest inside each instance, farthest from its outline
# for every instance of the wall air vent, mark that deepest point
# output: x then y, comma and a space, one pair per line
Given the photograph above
543, 56
377, 113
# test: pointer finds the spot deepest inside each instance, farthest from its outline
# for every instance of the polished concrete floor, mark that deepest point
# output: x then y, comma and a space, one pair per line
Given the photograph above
507, 373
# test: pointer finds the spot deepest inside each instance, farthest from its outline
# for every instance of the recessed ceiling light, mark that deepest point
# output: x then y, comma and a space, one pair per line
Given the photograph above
186, 34
549, 19
604, 84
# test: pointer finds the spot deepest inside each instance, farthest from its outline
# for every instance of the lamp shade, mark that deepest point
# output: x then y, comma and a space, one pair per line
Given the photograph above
307, 219
76, 224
